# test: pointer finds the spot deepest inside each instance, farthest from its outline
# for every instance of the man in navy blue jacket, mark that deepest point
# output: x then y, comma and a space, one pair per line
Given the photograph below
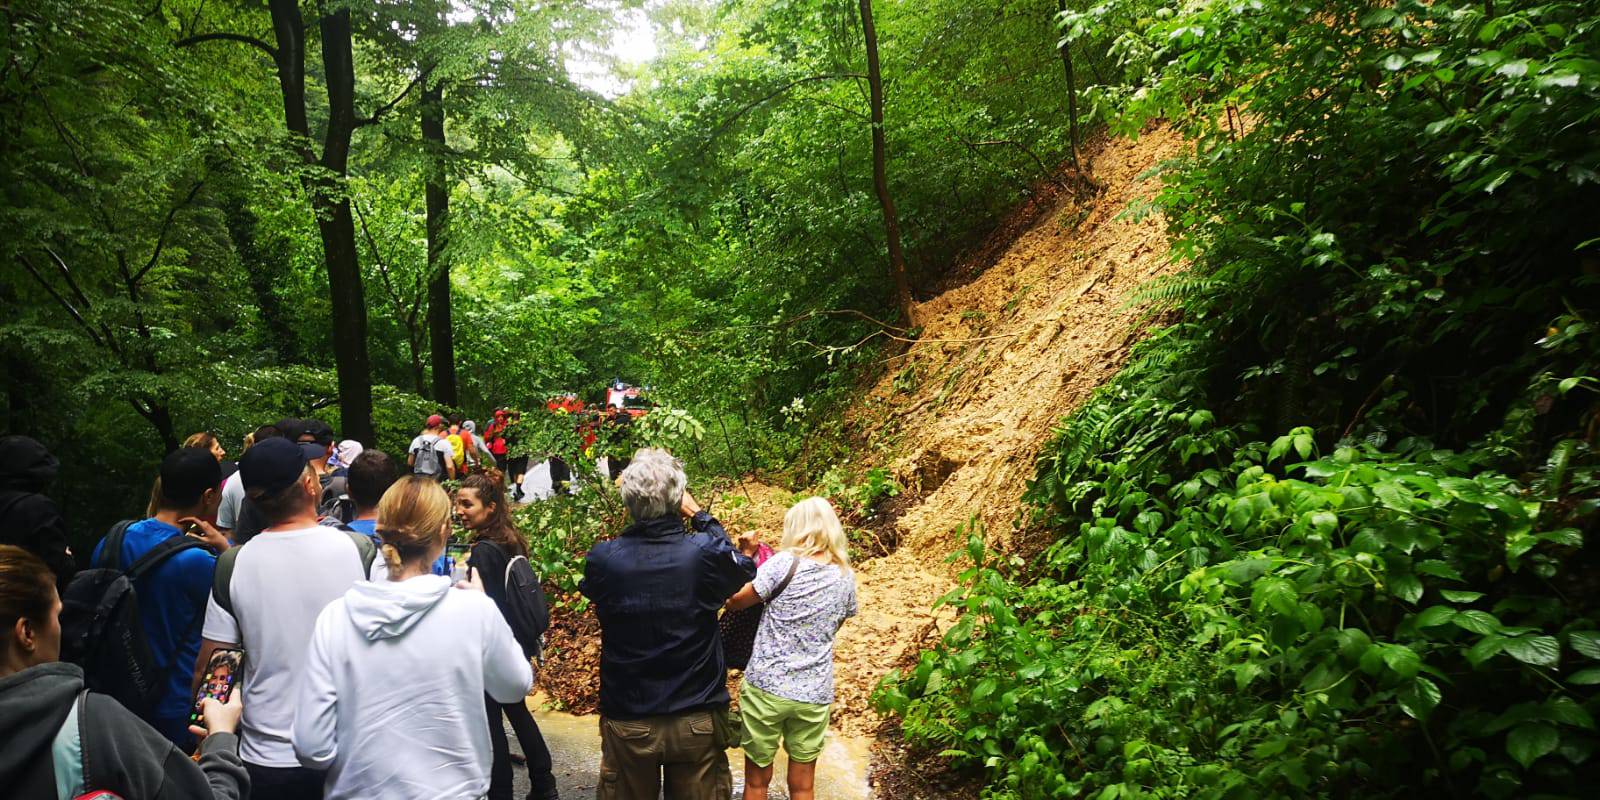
656, 590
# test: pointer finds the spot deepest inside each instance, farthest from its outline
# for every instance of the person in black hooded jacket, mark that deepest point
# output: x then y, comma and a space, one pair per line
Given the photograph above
114, 751
29, 519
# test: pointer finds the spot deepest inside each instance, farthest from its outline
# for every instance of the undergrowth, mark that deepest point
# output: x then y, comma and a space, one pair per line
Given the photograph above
1326, 535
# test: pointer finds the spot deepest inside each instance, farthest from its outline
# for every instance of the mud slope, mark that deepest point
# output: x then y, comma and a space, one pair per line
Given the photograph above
964, 412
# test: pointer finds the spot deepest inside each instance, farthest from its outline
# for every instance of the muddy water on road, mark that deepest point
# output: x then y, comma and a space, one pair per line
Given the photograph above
575, 750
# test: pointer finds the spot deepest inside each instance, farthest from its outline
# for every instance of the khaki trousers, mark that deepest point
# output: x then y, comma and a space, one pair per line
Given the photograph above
641, 757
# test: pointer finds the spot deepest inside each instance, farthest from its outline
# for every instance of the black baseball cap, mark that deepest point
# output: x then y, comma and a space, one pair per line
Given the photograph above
314, 451
271, 466
186, 474
291, 427
319, 431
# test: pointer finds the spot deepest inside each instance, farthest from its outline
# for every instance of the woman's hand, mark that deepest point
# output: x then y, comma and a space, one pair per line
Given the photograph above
208, 535
220, 717
749, 543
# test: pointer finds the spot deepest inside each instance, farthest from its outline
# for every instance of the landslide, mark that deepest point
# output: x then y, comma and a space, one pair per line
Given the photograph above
959, 416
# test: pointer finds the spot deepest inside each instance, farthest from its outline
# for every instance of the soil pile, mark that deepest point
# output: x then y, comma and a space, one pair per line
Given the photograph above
963, 413
960, 416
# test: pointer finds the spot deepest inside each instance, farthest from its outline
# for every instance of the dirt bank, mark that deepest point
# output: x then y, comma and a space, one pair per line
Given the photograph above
960, 417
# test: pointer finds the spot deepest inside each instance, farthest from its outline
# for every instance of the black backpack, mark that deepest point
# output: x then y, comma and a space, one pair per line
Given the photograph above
526, 610
100, 627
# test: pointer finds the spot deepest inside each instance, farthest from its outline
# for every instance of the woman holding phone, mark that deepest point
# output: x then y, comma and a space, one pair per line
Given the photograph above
389, 700
61, 738
481, 505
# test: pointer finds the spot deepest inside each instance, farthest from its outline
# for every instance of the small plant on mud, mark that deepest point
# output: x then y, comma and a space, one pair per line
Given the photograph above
857, 500
905, 381
877, 484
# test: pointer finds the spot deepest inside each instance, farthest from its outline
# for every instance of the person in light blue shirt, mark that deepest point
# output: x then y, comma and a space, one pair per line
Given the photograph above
367, 477
172, 597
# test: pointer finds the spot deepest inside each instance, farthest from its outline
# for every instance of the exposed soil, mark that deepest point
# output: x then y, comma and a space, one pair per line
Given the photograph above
960, 417
1000, 360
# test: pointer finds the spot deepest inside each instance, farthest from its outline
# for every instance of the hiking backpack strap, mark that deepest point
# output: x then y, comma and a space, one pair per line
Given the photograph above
506, 582
161, 552
66, 753
223, 578
111, 551
365, 547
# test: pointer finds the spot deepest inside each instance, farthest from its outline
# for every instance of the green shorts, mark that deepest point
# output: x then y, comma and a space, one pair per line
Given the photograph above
768, 717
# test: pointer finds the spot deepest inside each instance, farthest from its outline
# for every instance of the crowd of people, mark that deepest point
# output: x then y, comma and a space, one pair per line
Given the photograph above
371, 668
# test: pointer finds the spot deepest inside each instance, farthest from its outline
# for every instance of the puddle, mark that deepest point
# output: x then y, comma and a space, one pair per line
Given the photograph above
575, 751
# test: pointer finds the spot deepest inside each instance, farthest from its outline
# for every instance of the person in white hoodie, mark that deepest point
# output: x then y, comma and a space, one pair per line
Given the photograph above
391, 698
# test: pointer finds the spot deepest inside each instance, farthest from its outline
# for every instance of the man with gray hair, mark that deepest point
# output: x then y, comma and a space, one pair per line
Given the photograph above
656, 590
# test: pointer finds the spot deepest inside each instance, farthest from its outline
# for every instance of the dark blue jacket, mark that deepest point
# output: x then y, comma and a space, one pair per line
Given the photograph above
657, 589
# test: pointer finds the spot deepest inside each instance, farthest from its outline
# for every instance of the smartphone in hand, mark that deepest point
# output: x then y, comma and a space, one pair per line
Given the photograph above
223, 671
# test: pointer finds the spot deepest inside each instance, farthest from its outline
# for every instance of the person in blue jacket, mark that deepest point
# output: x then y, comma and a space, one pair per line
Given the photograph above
656, 590
172, 597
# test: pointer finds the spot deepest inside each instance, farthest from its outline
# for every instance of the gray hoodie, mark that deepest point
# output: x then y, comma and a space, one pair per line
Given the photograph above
120, 752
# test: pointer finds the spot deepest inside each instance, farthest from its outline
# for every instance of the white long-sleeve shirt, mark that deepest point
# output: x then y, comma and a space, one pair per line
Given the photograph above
391, 700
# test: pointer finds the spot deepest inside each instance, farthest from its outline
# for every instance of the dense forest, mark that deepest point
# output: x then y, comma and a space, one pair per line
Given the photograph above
1325, 533
220, 214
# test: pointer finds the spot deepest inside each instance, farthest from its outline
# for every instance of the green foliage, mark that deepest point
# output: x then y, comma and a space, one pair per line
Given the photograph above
1369, 619
1388, 269
669, 428
560, 530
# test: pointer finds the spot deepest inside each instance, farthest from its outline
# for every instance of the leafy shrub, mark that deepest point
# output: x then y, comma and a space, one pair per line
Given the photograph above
561, 529
1394, 596
1244, 627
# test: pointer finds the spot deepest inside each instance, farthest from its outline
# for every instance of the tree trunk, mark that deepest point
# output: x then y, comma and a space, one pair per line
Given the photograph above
880, 171
328, 200
437, 193
159, 418
1072, 88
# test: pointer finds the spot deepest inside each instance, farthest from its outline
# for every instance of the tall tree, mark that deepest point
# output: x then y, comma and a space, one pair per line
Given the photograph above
1064, 46
880, 171
324, 182
436, 192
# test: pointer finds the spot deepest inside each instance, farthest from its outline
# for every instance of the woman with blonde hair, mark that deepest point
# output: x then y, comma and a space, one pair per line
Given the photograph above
787, 694
391, 700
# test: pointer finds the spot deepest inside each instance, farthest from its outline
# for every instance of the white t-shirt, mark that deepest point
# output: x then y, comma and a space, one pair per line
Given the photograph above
281, 581
391, 700
232, 498
441, 445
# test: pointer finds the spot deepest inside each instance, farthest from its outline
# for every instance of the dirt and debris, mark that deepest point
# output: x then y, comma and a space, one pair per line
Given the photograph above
569, 676
960, 417
999, 361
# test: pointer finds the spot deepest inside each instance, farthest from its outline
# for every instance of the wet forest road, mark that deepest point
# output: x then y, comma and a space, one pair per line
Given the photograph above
575, 751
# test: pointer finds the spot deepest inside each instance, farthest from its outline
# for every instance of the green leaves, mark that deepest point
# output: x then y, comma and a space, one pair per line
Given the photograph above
1529, 742
1419, 698
1435, 616
1274, 593
1539, 651
1586, 643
